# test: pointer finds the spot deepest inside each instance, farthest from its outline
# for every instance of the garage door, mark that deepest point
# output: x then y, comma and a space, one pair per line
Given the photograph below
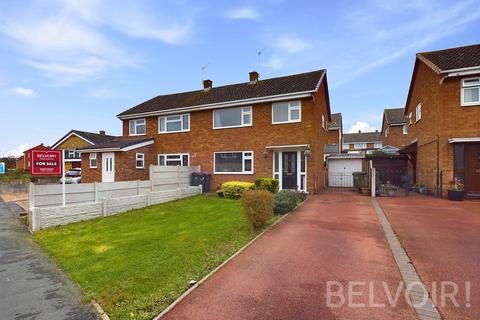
340, 171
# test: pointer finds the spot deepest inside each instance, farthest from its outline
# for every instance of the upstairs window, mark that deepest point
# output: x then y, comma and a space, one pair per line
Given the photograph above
360, 146
175, 123
470, 92
346, 146
93, 160
410, 118
418, 112
405, 129
140, 160
232, 117
285, 112
137, 127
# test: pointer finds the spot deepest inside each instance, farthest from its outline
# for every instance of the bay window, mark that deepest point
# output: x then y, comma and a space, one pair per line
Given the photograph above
240, 162
232, 117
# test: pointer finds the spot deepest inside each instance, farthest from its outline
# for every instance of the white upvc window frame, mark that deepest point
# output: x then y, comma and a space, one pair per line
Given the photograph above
245, 110
323, 122
140, 156
244, 157
93, 156
405, 129
167, 120
410, 116
378, 145
346, 146
130, 133
464, 86
386, 131
277, 172
418, 112
362, 146
178, 155
290, 108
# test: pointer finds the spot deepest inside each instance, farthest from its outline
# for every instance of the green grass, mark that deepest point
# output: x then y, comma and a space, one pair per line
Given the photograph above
136, 263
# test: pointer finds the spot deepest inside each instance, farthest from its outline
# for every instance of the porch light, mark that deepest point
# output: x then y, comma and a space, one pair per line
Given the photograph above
308, 153
265, 154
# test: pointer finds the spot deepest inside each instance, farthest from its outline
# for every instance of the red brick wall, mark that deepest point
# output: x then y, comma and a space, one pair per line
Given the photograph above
395, 137
333, 136
202, 141
91, 174
443, 117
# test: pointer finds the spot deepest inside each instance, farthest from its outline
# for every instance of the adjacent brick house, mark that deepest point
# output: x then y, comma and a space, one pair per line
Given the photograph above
443, 112
76, 139
394, 128
335, 132
261, 128
364, 142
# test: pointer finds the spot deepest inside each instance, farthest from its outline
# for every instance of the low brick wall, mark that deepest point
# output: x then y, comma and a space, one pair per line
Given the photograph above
46, 217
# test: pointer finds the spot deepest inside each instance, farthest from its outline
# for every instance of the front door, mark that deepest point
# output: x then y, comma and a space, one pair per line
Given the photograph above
472, 168
289, 170
108, 167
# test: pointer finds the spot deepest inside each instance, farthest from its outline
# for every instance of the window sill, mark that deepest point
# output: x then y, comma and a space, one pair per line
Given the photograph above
180, 131
476, 104
287, 122
135, 134
235, 173
232, 127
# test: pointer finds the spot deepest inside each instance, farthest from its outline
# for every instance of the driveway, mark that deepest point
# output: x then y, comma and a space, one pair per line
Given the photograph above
30, 285
442, 239
284, 274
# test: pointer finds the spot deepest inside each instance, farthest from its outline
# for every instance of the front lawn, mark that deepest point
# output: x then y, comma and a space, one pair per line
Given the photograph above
136, 263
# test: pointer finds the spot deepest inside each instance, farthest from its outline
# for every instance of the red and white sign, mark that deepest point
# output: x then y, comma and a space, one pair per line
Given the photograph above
46, 162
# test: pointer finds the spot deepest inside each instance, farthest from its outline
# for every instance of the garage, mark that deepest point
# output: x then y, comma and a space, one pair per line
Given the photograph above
340, 169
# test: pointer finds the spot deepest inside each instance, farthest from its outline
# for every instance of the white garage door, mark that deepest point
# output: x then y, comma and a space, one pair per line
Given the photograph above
340, 171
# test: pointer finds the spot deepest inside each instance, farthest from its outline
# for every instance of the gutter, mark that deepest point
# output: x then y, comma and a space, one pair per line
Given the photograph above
289, 96
461, 71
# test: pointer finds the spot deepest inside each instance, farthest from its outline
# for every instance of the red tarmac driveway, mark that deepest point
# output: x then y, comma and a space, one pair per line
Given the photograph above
284, 274
442, 238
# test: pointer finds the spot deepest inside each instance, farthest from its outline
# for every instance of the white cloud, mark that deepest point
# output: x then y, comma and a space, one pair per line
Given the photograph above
23, 91
291, 44
71, 41
18, 151
243, 13
274, 63
361, 126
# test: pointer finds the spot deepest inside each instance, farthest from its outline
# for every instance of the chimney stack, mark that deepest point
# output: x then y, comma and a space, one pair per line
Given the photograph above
253, 77
102, 132
207, 85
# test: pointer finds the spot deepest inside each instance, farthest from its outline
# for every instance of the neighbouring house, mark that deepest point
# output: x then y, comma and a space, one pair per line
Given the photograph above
261, 128
20, 163
443, 112
26, 155
361, 142
335, 131
76, 139
394, 128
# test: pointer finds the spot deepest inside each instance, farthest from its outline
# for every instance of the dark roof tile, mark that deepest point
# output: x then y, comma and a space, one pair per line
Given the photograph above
362, 137
395, 116
454, 58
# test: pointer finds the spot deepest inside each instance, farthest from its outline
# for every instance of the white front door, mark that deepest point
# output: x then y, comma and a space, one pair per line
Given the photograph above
108, 167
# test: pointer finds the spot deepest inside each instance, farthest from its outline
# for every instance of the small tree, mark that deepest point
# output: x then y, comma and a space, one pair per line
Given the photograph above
257, 206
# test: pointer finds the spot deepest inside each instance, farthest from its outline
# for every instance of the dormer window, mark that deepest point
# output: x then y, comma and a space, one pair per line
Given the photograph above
470, 94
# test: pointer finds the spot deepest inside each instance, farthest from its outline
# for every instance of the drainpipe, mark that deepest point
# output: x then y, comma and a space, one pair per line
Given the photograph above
438, 164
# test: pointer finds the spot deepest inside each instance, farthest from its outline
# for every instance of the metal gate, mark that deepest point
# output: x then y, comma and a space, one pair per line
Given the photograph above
348, 181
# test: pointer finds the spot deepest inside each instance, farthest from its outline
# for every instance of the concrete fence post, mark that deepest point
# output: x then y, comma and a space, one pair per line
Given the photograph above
95, 191
104, 207
35, 220
178, 183
374, 182
31, 195
149, 199
138, 187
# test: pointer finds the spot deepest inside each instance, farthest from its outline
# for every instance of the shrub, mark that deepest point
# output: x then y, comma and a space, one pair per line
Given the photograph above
268, 184
234, 189
257, 206
285, 201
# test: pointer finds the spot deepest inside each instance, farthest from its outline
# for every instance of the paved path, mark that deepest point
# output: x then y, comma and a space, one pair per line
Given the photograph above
30, 285
284, 274
442, 238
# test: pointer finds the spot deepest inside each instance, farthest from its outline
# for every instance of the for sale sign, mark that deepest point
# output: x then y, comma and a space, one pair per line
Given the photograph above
45, 162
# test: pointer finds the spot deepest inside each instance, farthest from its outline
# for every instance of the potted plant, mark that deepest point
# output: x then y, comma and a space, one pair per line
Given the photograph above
455, 190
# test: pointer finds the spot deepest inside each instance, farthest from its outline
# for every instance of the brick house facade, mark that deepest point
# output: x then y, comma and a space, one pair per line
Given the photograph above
362, 142
265, 147
395, 128
444, 127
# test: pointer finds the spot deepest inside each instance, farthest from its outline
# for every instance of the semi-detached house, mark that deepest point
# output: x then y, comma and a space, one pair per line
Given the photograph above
260, 128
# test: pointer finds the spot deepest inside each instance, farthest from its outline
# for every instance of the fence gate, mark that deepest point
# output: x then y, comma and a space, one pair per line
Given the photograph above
348, 181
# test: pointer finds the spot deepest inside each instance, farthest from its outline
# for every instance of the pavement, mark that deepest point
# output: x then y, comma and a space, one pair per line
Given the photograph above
442, 238
284, 274
31, 287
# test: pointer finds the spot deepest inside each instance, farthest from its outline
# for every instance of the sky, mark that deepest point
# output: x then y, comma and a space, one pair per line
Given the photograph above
76, 64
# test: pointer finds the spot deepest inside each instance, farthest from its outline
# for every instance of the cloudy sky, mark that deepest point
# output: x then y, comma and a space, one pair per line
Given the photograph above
76, 64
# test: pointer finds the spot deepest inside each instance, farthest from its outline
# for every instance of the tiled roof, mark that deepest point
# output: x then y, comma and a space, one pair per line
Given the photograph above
117, 143
395, 116
454, 58
241, 91
336, 121
94, 137
362, 137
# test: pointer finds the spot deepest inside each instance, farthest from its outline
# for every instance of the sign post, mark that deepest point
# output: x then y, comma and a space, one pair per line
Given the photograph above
63, 177
2, 168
